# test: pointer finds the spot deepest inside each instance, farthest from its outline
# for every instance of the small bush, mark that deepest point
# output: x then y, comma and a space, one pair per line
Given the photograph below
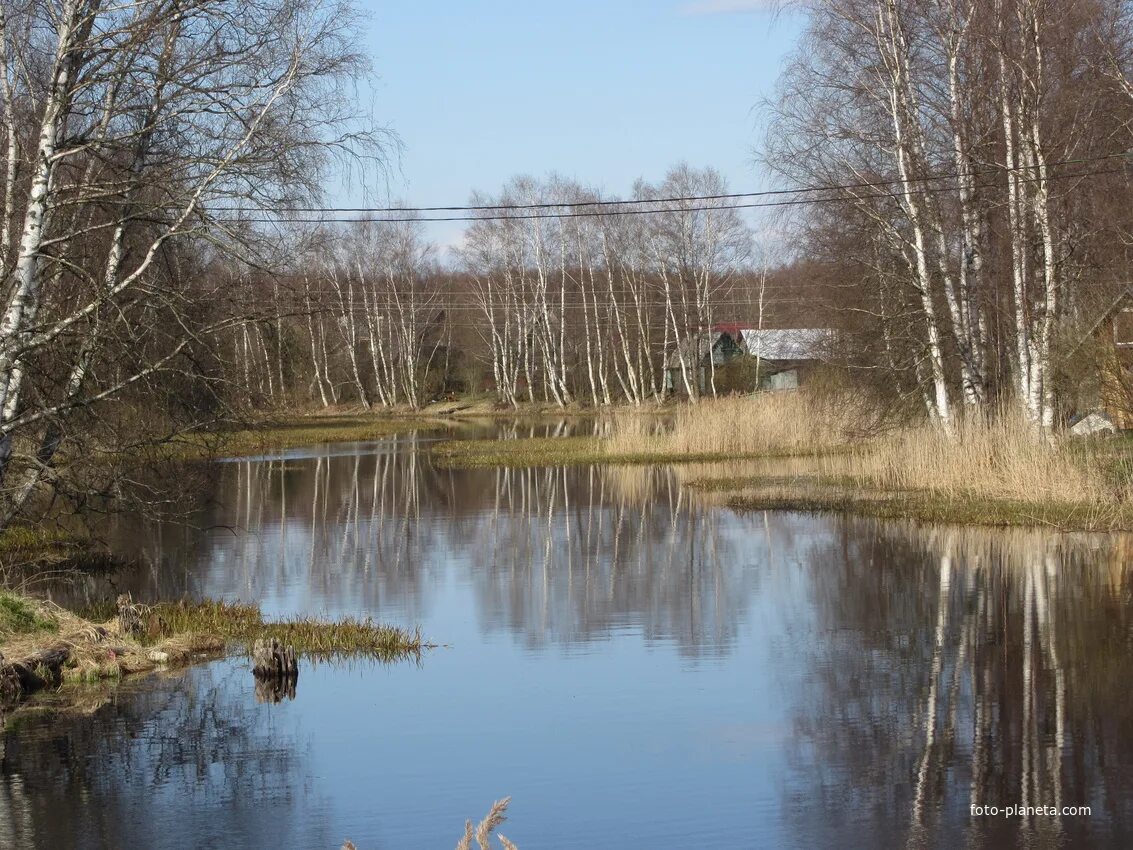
18, 617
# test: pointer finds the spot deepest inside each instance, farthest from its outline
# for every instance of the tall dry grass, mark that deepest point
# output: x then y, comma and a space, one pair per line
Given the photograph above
482, 833
496, 816
802, 422
850, 442
1003, 458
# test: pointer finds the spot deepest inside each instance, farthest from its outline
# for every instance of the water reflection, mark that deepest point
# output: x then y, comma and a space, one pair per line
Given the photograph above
965, 667
561, 555
624, 647
154, 766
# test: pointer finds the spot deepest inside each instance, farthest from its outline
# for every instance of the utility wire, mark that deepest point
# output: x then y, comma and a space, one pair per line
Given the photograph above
593, 209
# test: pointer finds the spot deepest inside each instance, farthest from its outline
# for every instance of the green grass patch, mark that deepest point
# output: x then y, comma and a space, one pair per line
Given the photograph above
240, 623
19, 617
531, 451
844, 495
566, 451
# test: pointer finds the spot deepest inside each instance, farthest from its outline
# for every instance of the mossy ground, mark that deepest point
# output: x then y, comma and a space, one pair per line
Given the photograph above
19, 616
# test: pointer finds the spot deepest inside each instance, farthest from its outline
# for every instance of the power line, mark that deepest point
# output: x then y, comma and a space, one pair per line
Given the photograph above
682, 198
596, 209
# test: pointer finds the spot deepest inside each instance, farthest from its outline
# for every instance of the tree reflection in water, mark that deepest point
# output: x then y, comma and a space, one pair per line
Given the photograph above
562, 555
964, 667
901, 673
153, 768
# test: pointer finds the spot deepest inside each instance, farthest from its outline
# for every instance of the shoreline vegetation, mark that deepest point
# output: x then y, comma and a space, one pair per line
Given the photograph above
292, 432
352, 424
803, 451
835, 452
45, 646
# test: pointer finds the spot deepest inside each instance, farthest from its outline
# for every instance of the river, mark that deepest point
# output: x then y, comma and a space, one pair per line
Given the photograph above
636, 665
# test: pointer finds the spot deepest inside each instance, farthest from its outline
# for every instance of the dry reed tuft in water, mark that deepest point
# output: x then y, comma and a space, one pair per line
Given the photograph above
496, 816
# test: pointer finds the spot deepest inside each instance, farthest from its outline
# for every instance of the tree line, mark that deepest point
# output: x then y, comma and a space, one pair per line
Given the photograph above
967, 220
981, 146
139, 140
585, 306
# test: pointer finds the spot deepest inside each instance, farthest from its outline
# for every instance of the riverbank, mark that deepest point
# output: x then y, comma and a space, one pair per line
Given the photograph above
816, 496
835, 453
45, 646
279, 431
853, 458
297, 431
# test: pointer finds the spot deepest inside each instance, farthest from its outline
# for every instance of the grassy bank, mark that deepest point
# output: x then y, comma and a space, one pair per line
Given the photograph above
352, 425
849, 457
43, 645
567, 451
296, 432
987, 472
813, 494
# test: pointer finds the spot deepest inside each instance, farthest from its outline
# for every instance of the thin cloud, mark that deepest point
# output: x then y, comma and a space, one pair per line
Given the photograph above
731, 7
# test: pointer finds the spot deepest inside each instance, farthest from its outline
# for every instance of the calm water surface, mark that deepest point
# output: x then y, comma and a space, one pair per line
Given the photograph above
636, 666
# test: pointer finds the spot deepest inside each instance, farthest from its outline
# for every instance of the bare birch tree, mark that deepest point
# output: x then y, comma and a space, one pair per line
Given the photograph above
153, 127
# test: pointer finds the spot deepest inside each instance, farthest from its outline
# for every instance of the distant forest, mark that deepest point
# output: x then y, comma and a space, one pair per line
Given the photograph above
952, 199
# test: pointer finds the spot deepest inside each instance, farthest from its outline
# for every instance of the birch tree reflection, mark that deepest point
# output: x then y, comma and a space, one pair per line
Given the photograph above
966, 667
155, 761
554, 555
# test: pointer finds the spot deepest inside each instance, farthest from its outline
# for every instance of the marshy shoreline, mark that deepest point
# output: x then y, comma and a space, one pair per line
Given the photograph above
45, 646
809, 452
797, 451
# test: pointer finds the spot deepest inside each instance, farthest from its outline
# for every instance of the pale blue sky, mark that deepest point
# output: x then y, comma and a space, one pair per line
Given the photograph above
602, 92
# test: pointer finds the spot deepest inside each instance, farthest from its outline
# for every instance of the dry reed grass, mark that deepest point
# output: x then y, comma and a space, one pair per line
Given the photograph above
780, 423
483, 834
995, 471
1002, 458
